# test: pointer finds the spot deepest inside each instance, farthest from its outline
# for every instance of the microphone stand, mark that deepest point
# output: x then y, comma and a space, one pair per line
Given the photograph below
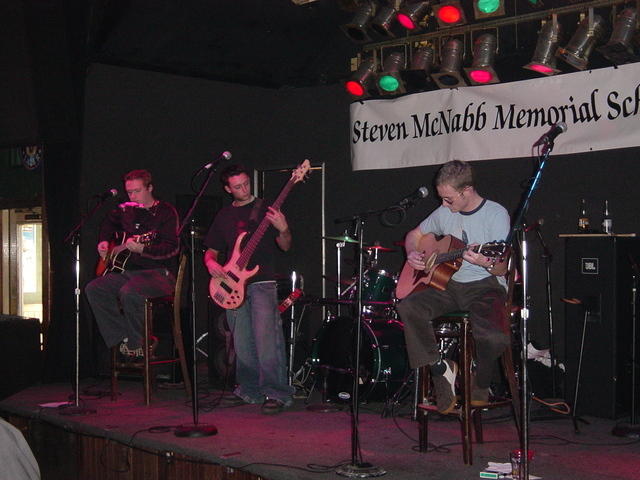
357, 468
196, 429
73, 238
517, 229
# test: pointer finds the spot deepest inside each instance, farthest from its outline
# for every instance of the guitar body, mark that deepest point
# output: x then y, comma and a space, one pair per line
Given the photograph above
229, 292
118, 254
435, 275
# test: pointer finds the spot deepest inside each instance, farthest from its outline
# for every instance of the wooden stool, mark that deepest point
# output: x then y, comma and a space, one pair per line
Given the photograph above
144, 367
466, 412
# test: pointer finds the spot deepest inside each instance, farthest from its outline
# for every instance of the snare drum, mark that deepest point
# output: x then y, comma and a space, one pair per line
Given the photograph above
383, 357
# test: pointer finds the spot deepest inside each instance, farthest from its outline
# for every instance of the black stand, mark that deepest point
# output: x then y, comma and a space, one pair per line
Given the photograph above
547, 257
518, 228
632, 429
196, 429
358, 468
73, 237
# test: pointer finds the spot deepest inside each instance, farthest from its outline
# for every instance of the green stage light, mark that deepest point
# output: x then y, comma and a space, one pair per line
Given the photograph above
488, 8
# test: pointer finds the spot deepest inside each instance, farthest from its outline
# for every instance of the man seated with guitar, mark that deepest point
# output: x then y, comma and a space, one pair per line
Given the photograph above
254, 320
478, 286
144, 265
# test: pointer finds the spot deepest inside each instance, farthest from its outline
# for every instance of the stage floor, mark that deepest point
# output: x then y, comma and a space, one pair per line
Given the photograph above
304, 444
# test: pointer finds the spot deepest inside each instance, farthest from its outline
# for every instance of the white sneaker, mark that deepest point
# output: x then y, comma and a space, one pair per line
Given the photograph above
445, 387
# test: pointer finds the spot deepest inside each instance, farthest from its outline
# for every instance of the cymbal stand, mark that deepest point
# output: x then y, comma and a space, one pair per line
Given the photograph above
339, 292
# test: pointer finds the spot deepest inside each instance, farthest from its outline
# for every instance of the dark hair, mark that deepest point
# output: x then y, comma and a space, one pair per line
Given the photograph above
232, 171
457, 174
141, 174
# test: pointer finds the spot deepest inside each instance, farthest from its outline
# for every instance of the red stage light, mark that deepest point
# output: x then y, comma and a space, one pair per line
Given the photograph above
354, 88
480, 76
449, 14
538, 67
406, 21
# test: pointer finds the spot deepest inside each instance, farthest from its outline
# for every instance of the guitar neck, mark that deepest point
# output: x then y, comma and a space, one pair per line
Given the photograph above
253, 242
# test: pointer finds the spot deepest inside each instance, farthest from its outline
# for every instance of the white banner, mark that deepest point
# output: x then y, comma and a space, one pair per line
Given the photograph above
601, 109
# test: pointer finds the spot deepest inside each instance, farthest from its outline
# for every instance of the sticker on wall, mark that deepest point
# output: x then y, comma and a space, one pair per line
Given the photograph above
31, 156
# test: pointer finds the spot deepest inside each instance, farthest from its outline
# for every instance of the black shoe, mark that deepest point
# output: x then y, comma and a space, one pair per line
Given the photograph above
271, 406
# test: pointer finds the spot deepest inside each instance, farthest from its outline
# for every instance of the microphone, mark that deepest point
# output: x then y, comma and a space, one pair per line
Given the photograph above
535, 225
411, 199
551, 135
109, 193
223, 156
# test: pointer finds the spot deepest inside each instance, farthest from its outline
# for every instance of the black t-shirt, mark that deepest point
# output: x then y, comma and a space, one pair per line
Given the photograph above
232, 221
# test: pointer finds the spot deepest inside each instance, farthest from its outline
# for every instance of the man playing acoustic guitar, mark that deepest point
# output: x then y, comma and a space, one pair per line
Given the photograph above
478, 286
144, 270
255, 323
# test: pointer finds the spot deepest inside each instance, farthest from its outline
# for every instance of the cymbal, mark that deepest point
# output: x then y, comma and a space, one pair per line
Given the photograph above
380, 248
399, 243
344, 238
335, 280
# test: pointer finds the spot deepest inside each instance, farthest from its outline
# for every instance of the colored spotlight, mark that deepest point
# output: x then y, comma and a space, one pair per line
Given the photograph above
450, 60
410, 15
582, 43
481, 71
544, 60
359, 83
389, 80
449, 14
356, 30
488, 8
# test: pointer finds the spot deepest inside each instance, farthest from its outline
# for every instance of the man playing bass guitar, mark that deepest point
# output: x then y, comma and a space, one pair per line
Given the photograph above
477, 286
255, 323
117, 298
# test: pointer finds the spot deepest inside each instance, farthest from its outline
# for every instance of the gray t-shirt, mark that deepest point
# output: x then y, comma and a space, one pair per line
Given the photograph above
487, 223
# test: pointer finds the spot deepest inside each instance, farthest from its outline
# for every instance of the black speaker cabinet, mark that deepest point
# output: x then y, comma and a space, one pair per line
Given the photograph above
20, 356
599, 273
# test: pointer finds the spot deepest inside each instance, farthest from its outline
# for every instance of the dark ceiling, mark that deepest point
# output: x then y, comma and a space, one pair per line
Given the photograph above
272, 43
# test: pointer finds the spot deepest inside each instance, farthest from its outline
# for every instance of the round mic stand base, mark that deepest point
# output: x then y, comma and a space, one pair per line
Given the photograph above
360, 470
628, 430
76, 410
195, 431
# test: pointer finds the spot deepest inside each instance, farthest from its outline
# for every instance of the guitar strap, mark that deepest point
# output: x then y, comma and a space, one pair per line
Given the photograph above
253, 216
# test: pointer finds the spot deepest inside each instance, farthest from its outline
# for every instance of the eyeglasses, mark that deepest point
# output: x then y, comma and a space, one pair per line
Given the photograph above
449, 200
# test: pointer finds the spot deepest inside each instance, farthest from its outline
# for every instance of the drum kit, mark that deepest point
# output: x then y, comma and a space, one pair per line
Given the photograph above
383, 359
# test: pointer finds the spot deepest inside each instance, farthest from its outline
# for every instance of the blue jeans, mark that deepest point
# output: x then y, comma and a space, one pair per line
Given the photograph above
259, 345
117, 301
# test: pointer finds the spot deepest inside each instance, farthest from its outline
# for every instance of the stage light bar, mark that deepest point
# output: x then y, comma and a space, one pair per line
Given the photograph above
449, 14
544, 59
411, 14
481, 71
359, 83
590, 31
389, 80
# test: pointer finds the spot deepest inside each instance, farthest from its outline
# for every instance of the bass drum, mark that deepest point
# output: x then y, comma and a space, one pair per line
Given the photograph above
383, 357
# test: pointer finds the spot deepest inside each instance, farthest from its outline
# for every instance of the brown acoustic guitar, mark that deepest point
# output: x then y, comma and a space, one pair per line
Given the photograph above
443, 258
229, 292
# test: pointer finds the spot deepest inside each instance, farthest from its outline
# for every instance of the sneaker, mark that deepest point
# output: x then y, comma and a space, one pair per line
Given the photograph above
131, 354
445, 387
272, 406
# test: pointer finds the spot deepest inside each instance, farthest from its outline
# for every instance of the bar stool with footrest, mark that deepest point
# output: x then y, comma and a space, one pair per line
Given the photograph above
151, 358
467, 413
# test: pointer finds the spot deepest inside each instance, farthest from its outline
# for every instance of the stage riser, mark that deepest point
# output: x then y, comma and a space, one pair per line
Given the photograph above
65, 455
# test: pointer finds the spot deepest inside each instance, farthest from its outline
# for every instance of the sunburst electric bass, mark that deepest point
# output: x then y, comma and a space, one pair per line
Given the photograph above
228, 292
443, 258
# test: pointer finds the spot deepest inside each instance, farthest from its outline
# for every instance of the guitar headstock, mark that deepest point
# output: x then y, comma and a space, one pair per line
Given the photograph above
301, 172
